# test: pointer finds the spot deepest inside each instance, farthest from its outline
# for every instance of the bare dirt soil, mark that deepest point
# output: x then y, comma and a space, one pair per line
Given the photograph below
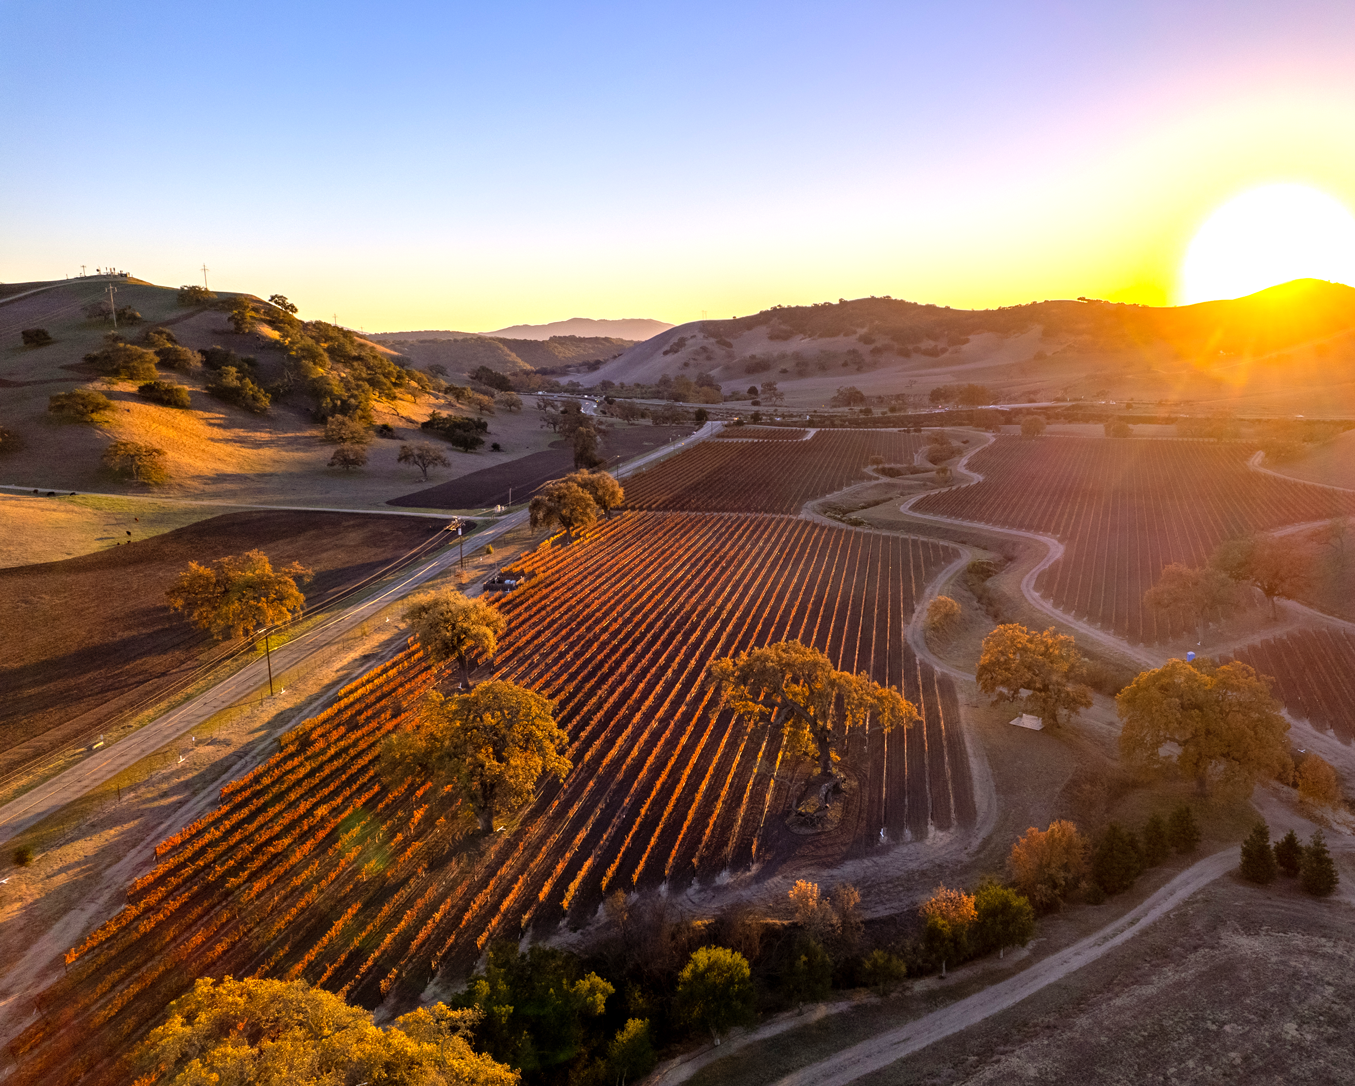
83, 639
518, 479
1244, 985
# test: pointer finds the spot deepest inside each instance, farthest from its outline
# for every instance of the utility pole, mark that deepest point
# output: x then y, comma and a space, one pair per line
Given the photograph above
462, 544
82, 271
204, 277
268, 655
112, 305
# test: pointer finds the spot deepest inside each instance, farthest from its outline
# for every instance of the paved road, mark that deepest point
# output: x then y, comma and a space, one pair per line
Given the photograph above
107, 763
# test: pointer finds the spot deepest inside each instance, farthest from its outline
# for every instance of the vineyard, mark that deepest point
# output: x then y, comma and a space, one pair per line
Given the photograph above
1314, 673
1125, 509
761, 433
314, 867
776, 476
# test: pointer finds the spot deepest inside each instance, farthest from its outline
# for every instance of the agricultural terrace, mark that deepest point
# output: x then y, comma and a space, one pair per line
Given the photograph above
1314, 673
776, 476
1124, 510
315, 867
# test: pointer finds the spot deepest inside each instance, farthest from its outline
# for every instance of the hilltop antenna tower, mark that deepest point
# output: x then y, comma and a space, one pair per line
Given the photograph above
204, 277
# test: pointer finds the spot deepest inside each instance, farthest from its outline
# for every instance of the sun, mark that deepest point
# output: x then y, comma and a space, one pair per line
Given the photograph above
1265, 236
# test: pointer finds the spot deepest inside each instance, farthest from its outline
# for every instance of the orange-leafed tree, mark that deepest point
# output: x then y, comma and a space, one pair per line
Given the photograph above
797, 689
452, 626
1037, 671
1047, 865
239, 593
1222, 722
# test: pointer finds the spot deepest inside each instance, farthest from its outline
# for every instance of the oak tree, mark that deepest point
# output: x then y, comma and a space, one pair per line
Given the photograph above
80, 404
1002, 918
1222, 721
797, 689
1275, 566
1318, 783
564, 503
135, 461
602, 487
423, 456
451, 626
494, 744
1037, 671
276, 1033
348, 457
1033, 425
238, 593
1192, 593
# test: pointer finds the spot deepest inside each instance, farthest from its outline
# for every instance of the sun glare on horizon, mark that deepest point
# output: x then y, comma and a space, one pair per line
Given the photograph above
1265, 236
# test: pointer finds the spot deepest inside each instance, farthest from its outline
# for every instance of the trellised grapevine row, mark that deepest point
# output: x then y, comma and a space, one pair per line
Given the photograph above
1314, 673
776, 476
1125, 510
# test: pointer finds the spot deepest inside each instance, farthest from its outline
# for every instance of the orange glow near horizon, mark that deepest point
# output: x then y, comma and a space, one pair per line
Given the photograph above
1268, 235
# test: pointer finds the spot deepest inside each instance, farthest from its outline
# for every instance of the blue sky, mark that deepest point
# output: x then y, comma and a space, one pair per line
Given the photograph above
469, 166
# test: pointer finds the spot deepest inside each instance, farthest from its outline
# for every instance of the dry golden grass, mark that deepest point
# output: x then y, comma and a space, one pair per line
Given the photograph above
41, 529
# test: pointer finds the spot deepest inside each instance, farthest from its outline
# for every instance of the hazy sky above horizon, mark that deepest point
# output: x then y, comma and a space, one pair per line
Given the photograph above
433, 165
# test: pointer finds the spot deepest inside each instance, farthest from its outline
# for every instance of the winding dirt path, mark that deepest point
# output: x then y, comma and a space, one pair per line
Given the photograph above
886, 1048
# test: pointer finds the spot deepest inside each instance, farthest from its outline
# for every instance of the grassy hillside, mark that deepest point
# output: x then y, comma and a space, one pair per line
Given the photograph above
217, 448
1288, 350
460, 356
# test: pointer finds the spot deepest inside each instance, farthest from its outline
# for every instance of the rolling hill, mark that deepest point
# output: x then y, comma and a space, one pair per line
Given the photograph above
464, 355
1289, 349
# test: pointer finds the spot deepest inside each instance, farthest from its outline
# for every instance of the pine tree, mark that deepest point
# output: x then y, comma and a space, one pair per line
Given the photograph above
1183, 831
1156, 845
1117, 861
1317, 872
1258, 861
1289, 854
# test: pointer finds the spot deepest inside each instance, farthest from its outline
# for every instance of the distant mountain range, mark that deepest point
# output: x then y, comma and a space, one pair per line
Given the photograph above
636, 329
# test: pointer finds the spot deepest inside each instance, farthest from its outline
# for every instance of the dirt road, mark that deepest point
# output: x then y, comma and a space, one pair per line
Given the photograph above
886, 1048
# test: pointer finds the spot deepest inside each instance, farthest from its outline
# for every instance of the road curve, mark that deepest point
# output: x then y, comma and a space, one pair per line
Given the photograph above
105, 764
886, 1048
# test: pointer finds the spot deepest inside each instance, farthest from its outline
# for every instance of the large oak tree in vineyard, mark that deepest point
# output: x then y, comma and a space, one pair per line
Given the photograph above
797, 688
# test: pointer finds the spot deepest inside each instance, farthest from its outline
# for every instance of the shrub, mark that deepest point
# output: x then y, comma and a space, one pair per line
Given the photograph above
23, 855
36, 337
1182, 830
174, 357
1047, 865
1156, 844
164, 392
1289, 854
883, 971
124, 361
461, 432
80, 405
1003, 918
137, 462
195, 295
943, 613
1258, 861
700, 416
348, 457
1033, 425
346, 430
1317, 871
1318, 783
1118, 428
218, 358
240, 391
1117, 860
810, 976
715, 990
